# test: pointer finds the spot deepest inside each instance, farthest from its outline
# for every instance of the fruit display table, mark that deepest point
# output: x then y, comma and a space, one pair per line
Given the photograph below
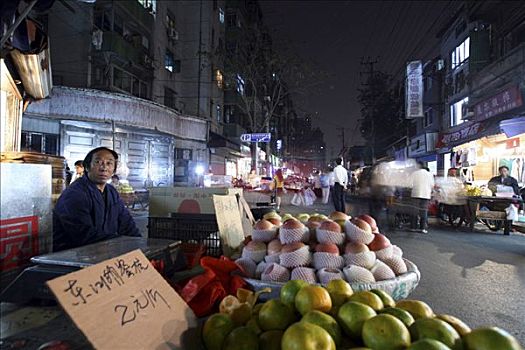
399, 287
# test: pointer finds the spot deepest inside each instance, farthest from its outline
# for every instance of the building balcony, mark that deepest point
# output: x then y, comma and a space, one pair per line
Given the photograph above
114, 42
233, 130
506, 69
138, 12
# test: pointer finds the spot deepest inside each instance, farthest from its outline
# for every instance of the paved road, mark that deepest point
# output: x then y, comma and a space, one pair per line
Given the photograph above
478, 277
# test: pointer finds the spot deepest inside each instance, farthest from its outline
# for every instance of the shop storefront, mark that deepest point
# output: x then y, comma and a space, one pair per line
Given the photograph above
156, 146
423, 149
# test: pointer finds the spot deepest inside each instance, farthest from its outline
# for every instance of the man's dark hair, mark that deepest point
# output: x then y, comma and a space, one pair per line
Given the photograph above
89, 157
79, 163
421, 165
338, 161
503, 167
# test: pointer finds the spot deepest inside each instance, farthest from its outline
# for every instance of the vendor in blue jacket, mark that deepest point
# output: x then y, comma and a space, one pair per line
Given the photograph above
90, 210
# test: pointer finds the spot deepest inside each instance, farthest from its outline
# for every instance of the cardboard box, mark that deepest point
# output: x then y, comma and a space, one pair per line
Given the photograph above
195, 200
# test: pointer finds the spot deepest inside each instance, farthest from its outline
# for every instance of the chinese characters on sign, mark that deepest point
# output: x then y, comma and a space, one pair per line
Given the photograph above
445, 139
18, 241
414, 90
506, 100
229, 222
124, 303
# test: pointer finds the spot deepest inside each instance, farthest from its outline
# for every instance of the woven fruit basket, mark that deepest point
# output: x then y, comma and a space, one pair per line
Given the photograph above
399, 287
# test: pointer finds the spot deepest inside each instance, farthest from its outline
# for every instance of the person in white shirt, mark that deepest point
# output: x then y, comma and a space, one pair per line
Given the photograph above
422, 184
340, 183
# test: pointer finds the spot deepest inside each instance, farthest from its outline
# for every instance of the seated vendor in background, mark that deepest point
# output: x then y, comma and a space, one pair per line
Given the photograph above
504, 179
89, 211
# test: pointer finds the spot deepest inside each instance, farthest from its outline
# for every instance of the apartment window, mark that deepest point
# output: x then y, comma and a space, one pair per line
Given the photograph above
170, 21
143, 90
219, 113
102, 20
118, 25
121, 80
219, 78
169, 61
169, 98
150, 5
458, 112
429, 118
39, 142
239, 84
461, 53
183, 153
232, 20
428, 83
128, 83
228, 114
221, 15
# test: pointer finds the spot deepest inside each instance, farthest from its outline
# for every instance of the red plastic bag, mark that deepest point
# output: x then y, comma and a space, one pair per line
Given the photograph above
202, 293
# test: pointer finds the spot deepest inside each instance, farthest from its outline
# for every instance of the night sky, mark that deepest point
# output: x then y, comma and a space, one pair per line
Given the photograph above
335, 35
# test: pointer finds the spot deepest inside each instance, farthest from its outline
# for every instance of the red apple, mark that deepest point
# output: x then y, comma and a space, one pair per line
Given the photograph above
331, 226
363, 225
292, 247
379, 242
337, 215
292, 224
327, 248
255, 246
316, 219
275, 221
263, 225
274, 247
355, 248
370, 220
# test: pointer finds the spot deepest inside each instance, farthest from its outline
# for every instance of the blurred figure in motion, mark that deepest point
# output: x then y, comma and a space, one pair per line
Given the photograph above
422, 184
340, 183
278, 180
324, 179
317, 184
353, 183
451, 197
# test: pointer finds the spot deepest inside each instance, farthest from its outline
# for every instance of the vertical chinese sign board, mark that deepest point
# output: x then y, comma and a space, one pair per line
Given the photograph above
414, 90
124, 303
229, 222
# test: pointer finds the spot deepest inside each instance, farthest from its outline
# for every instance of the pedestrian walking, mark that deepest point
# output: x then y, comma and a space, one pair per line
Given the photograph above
422, 184
340, 183
324, 179
278, 186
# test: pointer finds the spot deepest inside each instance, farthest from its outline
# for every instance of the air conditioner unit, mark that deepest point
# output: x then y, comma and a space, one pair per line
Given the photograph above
173, 34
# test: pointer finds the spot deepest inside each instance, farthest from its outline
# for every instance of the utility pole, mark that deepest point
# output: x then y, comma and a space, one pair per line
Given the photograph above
370, 73
200, 62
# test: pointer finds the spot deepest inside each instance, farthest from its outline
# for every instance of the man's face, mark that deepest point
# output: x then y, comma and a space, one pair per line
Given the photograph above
79, 169
102, 167
504, 172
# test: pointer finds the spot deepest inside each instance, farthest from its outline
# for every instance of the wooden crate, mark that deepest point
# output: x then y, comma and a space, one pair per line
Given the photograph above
491, 215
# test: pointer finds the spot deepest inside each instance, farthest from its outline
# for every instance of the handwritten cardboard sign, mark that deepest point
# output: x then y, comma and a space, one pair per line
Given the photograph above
124, 303
229, 222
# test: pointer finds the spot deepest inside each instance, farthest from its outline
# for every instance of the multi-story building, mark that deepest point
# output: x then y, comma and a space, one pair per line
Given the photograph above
137, 76
306, 151
483, 47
